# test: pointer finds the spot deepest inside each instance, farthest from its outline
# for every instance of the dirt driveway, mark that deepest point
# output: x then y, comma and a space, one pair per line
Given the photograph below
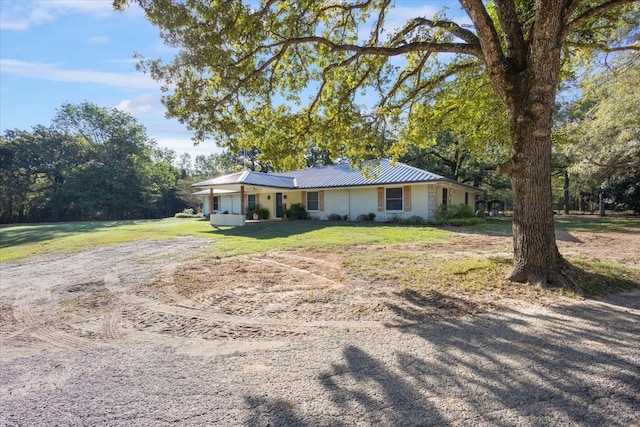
106, 336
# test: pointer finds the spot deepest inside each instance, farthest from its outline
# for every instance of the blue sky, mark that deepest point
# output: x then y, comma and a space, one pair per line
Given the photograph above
57, 51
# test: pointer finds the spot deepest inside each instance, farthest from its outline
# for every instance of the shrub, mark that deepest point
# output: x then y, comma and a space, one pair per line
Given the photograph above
413, 220
187, 213
454, 212
335, 217
249, 211
297, 211
263, 213
366, 217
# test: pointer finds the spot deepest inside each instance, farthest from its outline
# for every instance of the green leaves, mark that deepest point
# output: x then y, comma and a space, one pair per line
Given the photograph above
602, 131
94, 163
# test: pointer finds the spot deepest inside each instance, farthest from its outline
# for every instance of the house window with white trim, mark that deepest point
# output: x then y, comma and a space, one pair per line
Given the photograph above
312, 201
251, 201
393, 199
216, 203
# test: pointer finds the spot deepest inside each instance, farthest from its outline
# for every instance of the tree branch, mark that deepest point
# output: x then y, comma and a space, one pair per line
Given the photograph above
452, 27
489, 42
462, 48
435, 81
512, 32
406, 75
594, 12
603, 47
378, 27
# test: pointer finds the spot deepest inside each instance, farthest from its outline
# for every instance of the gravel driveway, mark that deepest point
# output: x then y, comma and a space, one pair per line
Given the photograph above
574, 363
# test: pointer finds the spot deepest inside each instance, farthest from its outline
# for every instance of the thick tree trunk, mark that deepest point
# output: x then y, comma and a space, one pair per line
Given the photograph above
536, 256
529, 95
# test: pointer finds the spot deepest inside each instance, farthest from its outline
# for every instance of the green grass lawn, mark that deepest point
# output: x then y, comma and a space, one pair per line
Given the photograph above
20, 241
356, 239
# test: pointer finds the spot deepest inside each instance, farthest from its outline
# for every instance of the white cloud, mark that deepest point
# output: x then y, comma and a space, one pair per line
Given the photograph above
98, 40
147, 104
51, 72
168, 133
40, 16
20, 16
13, 25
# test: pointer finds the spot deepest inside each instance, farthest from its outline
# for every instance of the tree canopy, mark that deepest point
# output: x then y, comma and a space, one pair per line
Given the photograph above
282, 75
602, 133
91, 163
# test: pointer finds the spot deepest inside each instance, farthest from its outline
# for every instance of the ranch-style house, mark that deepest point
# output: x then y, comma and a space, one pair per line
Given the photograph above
387, 189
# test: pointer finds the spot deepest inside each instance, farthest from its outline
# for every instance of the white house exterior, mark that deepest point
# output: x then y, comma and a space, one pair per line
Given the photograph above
389, 190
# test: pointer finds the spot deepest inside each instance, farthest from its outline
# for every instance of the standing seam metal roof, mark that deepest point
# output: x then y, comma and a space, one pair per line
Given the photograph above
344, 176
331, 176
251, 178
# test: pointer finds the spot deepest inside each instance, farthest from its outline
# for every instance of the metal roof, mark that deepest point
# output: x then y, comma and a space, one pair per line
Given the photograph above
250, 178
383, 172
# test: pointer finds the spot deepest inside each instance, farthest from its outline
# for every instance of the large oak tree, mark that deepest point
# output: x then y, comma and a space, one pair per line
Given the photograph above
283, 73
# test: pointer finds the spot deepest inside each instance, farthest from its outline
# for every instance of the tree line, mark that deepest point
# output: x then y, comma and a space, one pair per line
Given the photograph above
91, 163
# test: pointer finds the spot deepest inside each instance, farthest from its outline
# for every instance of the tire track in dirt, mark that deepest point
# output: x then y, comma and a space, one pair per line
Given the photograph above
43, 331
296, 270
111, 326
228, 310
76, 300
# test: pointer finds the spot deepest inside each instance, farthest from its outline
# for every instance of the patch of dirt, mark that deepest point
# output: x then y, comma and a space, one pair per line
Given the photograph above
166, 293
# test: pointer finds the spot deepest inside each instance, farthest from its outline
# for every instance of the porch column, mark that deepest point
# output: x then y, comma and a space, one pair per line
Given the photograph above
211, 201
242, 200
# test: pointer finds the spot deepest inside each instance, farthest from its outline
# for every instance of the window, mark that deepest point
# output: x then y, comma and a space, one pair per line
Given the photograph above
445, 197
394, 199
466, 198
251, 201
312, 201
216, 204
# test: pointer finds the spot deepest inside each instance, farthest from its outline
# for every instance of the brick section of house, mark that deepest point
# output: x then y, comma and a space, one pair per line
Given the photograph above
380, 199
303, 198
321, 200
407, 198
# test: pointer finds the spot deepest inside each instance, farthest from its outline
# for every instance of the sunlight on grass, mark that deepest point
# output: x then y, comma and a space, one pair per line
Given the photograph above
314, 234
595, 223
21, 241
378, 254
429, 273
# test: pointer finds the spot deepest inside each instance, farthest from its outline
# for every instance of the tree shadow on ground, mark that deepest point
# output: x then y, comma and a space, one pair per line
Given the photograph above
434, 305
574, 364
277, 229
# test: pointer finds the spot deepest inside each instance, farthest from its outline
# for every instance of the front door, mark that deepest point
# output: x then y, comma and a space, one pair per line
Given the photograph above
279, 208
